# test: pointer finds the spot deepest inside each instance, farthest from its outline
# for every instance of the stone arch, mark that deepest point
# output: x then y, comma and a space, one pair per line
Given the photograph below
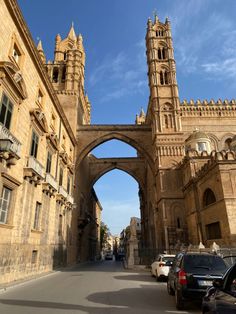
115, 165
226, 137
118, 136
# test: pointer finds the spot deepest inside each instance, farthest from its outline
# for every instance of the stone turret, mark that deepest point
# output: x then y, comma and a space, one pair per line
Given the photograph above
164, 95
67, 73
140, 118
41, 52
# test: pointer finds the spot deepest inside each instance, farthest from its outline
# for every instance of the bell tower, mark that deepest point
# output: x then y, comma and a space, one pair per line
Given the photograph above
67, 76
164, 96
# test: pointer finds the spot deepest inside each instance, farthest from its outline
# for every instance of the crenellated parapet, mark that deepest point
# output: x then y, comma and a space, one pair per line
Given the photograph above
208, 108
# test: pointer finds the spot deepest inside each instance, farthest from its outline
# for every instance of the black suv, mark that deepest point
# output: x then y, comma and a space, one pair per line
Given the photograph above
191, 274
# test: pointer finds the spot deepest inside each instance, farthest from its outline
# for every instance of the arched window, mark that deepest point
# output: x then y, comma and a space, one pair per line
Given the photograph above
55, 75
161, 78
166, 78
164, 53
227, 144
63, 76
159, 54
208, 197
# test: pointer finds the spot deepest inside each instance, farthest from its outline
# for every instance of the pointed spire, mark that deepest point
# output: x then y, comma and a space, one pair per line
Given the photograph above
142, 113
41, 52
71, 33
40, 46
58, 38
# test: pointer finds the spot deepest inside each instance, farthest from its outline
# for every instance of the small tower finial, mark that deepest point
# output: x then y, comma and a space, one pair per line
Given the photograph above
155, 15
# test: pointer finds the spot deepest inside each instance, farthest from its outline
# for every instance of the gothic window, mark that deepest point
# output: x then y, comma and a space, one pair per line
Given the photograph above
34, 145
208, 197
6, 108
161, 78
159, 54
63, 76
55, 75
166, 121
178, 223
227, 144
5, 204
65, 55
166, 78
163, 53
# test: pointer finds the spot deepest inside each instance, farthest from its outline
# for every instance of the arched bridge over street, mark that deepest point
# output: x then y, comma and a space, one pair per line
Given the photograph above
137, 136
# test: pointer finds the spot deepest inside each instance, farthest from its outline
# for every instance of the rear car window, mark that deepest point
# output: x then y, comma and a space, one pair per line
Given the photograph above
168, 259
209, 262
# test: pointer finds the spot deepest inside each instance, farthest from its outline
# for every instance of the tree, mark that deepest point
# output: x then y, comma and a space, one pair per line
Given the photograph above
104, 233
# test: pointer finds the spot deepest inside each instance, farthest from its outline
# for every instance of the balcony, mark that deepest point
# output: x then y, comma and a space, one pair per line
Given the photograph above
70, 199
62, 195
10, 147
34, 171
50, 185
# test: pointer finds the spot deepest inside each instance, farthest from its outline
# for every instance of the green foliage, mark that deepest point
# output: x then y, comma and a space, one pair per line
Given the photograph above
104, 233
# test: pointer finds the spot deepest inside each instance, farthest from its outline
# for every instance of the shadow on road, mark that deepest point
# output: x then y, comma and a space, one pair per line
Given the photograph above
145, 299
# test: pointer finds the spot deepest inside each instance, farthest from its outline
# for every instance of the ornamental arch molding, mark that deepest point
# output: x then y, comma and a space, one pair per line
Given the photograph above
137, 136
135, 167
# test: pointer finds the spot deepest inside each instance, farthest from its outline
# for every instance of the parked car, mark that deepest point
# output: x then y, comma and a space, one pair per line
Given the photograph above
160, 267
191, 274
109, 255
119, 256
221, 298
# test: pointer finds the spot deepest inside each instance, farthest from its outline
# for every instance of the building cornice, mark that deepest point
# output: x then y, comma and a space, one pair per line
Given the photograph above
29, 42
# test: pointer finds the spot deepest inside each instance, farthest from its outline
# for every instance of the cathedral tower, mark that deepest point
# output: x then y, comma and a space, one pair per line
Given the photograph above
164, 96
67, 76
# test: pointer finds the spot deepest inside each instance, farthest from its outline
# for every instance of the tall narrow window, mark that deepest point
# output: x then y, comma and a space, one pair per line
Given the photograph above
159, 54
166, 78
68, 184
34, 145
16, 53
6, 111
49, 162
60, 225
161, 78
55, 75
63, 76
5, 204
37, 215
61, 176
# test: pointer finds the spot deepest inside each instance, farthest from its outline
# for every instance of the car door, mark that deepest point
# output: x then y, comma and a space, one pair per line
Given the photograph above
225, 299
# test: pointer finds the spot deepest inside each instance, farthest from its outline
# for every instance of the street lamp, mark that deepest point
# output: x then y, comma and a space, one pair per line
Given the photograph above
5, 144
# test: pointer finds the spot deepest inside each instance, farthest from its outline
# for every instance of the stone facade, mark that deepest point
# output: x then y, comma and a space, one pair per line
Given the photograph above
49, 212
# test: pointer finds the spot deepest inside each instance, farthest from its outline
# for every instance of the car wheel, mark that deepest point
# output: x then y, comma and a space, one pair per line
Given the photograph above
179, 302
169, 289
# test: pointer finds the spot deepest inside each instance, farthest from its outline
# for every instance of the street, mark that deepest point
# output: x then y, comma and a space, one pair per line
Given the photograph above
97, 288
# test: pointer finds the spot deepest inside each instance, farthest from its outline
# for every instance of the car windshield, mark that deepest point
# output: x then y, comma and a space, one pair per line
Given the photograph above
168, 258
208, 262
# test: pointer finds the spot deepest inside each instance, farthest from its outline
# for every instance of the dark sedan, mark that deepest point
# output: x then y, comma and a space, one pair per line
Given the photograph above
221, 298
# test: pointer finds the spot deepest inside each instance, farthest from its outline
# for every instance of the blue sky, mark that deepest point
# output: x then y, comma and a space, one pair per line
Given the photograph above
204, 36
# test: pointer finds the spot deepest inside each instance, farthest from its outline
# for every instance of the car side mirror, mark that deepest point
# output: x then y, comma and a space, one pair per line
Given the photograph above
218, 283
169, 263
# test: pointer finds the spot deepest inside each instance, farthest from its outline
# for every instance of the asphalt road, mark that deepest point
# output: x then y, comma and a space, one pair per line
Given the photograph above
95, 288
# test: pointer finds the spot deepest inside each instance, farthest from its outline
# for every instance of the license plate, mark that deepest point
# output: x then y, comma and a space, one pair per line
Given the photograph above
205, 283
